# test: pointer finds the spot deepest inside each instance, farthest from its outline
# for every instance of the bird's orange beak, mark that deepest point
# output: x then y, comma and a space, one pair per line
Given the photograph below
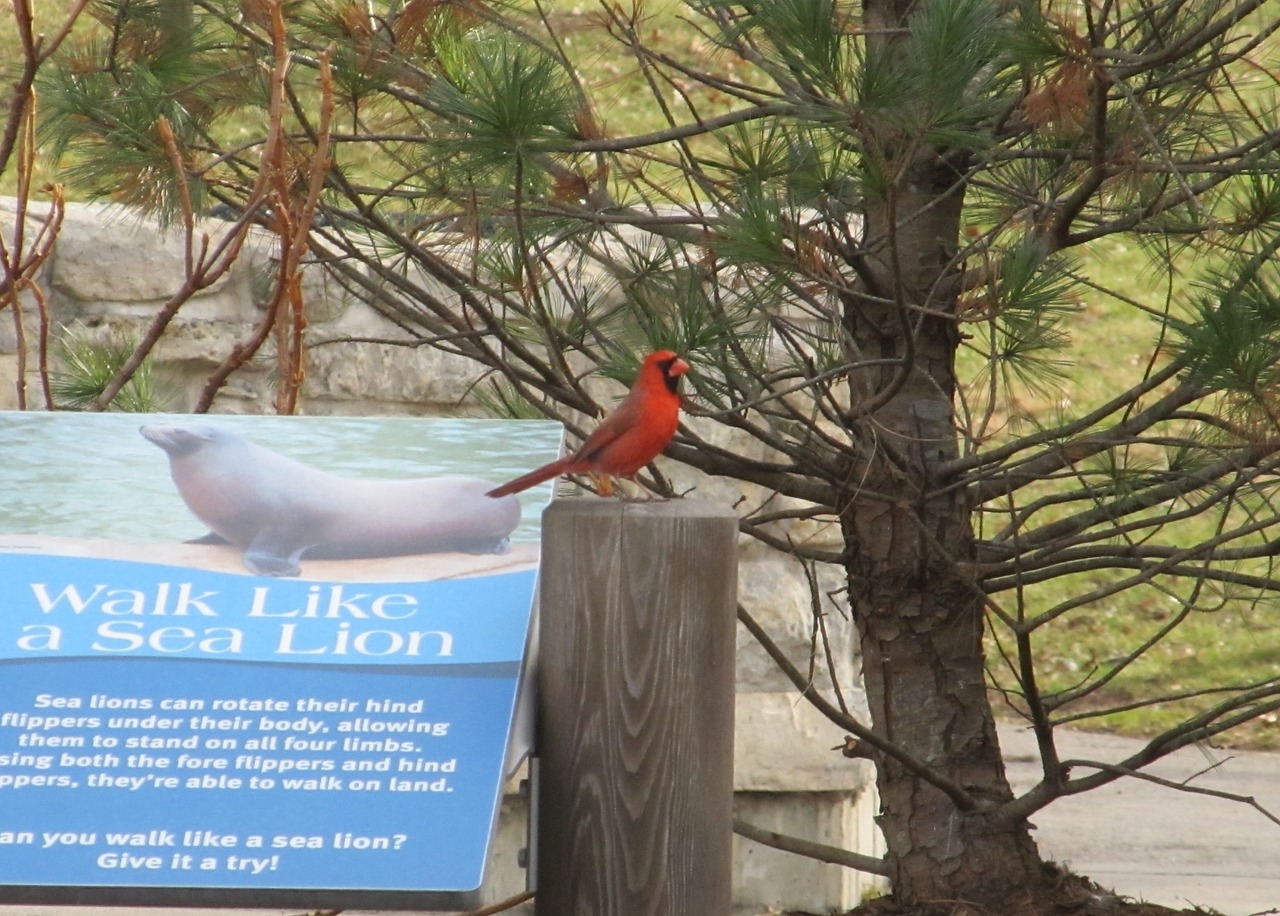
678, 368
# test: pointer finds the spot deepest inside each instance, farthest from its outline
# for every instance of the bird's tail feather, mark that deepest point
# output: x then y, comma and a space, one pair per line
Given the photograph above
533, 478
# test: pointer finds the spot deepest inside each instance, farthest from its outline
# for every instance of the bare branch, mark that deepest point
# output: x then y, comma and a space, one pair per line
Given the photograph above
884, 748
822, 852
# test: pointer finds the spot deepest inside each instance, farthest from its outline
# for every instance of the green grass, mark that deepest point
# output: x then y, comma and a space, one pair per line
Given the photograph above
1236, 643
1233, 645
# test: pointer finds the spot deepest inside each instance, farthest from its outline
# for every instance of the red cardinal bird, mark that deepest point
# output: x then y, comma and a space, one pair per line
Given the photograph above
629, 438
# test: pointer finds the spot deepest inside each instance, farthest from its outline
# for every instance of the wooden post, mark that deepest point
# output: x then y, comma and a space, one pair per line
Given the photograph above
635, 708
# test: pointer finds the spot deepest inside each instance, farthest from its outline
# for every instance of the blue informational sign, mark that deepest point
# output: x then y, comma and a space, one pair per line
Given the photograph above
241, 723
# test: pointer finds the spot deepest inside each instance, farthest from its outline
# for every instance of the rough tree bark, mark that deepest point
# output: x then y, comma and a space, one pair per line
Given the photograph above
919, 616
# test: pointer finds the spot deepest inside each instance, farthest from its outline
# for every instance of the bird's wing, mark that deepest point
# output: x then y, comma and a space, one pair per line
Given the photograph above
612, 428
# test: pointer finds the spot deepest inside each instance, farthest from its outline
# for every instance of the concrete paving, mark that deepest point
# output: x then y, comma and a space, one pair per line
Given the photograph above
1157, 844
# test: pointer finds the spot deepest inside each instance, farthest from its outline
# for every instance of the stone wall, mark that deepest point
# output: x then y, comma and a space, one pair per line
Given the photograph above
109, 273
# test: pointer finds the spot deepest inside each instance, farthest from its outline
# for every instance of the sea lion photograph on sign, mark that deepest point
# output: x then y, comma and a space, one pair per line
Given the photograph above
279, 510
116, 498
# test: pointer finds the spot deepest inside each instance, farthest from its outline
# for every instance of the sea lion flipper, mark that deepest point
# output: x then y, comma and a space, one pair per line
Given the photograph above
498, 545
211, 538
271, 554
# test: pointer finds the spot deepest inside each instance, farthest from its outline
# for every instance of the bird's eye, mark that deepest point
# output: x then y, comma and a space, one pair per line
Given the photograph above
672, 380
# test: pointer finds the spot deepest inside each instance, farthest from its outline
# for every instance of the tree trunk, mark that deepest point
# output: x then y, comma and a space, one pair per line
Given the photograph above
919, 616
921, 634
920, 621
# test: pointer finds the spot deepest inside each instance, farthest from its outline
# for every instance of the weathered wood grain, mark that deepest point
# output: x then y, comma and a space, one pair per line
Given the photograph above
635, 709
